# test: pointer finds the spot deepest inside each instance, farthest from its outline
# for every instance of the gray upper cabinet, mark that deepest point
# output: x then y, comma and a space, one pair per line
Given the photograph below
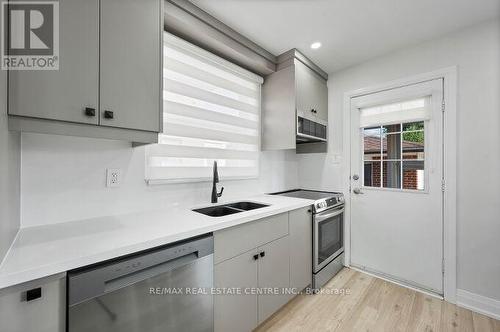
109, 80
296, 91
312, 93
131, 34
64, 94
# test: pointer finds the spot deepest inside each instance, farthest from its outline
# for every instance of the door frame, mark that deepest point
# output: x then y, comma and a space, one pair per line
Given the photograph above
449, 76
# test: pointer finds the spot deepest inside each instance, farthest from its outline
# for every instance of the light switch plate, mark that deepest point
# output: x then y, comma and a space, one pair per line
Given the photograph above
113, 177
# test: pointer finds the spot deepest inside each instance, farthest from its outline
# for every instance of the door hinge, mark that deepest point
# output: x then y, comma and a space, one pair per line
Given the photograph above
442, 266
443, 106
443, 185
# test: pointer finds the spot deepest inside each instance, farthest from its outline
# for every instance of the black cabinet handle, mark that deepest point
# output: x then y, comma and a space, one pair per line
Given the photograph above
262, 253
108, 115
255, 257
33, 294
89, 111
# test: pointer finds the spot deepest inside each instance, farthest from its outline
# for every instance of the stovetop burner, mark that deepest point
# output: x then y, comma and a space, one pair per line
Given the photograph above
324, 200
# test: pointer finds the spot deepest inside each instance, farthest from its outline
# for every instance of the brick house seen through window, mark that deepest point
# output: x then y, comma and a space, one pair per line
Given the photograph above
397, 150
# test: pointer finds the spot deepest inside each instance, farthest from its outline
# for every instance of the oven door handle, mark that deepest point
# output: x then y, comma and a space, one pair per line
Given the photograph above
323, 216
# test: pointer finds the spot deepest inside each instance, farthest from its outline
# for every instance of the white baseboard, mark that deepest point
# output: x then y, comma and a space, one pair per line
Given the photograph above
478, 303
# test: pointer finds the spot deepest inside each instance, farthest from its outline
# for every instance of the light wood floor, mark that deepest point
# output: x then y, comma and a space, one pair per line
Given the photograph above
373, 304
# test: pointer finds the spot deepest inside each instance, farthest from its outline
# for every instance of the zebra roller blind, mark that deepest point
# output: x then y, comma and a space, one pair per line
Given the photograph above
211, 112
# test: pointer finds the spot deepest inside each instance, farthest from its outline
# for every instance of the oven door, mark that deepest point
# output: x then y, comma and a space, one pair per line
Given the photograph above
328, 236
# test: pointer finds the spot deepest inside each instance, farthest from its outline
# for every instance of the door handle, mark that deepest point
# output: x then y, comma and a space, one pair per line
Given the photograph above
108, 115
89, 111
357, 191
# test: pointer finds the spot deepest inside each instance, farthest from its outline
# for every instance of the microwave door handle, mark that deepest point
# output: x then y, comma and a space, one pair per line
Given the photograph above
320, 217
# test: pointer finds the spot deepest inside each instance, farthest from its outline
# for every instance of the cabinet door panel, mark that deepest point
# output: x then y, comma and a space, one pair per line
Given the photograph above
312, 93
45, 314
321, 104
63, 94
130, 72
300, 248
305, 98
274, 271
234, 313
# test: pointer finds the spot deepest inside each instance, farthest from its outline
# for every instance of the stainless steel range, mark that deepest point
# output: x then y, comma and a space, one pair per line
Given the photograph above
328, 232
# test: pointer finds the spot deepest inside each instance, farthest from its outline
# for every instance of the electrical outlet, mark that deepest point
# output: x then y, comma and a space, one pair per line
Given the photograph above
113, 177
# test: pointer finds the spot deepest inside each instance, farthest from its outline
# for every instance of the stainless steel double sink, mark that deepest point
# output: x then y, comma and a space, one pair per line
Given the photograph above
227, 209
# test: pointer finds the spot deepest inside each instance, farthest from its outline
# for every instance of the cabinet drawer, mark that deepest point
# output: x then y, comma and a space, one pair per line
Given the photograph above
239, 239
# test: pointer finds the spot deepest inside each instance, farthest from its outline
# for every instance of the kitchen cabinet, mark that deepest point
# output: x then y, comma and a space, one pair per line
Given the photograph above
312, 93
264, 267
233, 241
273, 273
130, 72
64, 94
109, 80
273, 252
21, 309
236, 312
301, 248
296, 91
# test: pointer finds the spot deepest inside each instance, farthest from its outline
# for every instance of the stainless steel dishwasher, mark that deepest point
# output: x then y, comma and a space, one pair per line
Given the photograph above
164, 289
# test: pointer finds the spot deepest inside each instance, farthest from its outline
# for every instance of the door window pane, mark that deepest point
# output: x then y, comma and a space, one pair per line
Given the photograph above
394, 128
413, 174
413, 145
392, 146
372, 146
372, 143
371, 175
393, 156
392, 174
413, 126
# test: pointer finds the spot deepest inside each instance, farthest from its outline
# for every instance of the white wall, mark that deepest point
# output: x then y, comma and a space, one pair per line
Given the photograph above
9, 174
63, 179
476, 51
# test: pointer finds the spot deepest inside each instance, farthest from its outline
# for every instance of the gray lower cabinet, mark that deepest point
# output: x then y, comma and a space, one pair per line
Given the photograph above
270, 253
301, 248
236, 312
273, 273
109, 80
263, 268
45, 314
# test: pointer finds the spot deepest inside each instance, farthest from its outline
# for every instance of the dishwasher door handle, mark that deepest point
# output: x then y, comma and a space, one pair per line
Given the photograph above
149, 272
88, 283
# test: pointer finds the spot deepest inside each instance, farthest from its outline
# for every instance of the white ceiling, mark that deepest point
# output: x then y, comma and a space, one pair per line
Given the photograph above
351, 31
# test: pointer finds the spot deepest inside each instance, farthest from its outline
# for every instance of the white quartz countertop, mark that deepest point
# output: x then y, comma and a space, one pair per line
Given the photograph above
42, 251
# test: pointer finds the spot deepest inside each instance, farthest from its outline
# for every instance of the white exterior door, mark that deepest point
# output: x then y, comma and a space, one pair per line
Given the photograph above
396, 184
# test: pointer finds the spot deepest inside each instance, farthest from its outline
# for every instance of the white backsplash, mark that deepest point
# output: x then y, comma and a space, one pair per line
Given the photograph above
64, 179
